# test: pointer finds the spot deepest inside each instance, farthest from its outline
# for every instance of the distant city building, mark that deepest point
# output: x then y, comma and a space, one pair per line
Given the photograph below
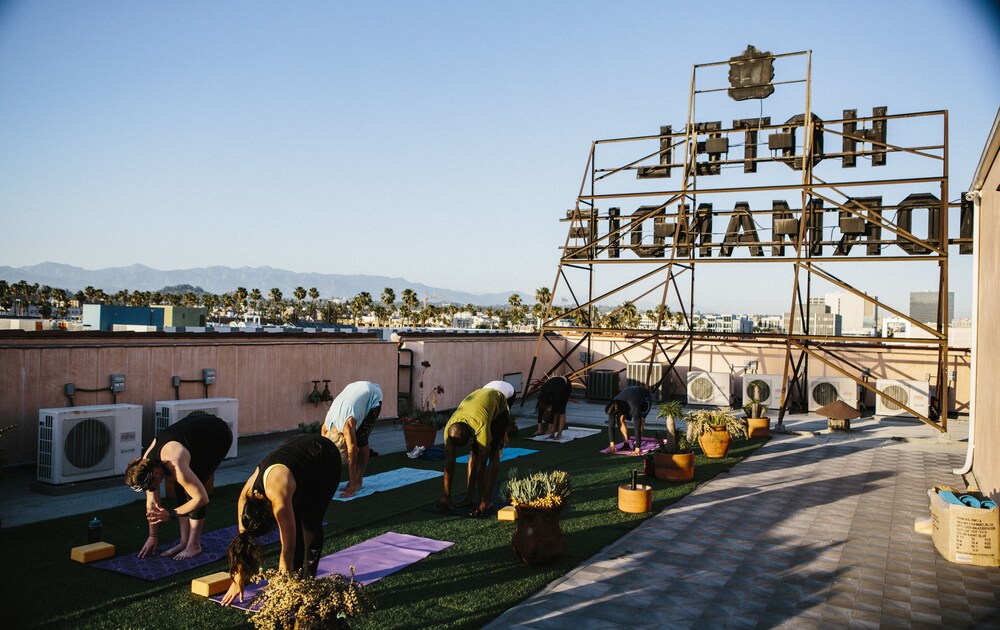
924, 306
715, 322
183, 315
858, 316
821, 320
771, 323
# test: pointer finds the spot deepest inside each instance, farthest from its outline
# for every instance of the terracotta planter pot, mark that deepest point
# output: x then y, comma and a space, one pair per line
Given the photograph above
419, 435
676, 467
636, 501
758, 427
538, 538
715, 443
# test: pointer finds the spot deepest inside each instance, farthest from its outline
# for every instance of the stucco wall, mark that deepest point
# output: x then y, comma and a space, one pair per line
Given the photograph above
986, 457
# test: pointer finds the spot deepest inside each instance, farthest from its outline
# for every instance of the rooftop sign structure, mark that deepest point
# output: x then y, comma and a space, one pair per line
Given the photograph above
735, 186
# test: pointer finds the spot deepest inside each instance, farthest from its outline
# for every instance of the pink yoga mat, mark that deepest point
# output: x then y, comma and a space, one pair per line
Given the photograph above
372, 560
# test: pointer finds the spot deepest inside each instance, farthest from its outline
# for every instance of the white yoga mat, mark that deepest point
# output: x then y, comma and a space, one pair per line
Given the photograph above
388, 480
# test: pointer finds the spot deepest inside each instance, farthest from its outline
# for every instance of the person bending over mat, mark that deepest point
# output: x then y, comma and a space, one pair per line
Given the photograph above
552, 399
292, 487
348, 424
482, 418
189, 451
632, 402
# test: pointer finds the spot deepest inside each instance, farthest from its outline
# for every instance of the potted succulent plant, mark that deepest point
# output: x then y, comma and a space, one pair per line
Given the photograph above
538, 498
422, 421
758, 424
292, 601
670, 410
715, 430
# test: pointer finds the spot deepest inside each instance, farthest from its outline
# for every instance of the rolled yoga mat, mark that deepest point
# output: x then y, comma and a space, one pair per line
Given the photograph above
372, 560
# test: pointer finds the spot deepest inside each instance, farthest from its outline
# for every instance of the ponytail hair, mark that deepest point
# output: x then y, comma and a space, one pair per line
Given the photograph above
244, 553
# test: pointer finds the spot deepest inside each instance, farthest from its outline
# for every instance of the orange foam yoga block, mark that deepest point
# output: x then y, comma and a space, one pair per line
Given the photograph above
211, 584
92, 552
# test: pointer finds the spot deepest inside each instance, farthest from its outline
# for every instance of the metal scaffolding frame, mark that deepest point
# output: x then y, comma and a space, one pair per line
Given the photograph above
681, 238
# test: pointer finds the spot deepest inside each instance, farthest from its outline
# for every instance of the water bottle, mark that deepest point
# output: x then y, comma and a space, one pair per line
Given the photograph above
94, 530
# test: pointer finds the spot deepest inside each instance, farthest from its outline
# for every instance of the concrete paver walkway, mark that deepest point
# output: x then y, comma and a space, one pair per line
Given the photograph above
816, 529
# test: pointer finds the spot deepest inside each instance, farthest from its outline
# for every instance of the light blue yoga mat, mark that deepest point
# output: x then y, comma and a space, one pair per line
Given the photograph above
508, 453
389, 480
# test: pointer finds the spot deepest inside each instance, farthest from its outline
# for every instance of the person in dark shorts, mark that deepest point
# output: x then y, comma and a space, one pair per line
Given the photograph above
481, 418
632, 402
348, 424
552, 399
188, 451
291, 487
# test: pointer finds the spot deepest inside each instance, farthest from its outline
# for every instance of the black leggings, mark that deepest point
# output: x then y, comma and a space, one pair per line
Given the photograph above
309, 511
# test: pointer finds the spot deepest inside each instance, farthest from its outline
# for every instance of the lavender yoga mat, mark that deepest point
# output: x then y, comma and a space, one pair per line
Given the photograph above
213, 547
372, 560
648, 446
508, 453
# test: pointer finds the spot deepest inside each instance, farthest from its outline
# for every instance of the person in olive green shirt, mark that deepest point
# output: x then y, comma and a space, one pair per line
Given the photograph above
481, 419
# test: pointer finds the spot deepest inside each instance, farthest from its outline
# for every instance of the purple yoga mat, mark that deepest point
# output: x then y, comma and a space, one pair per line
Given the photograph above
372, 560
648, 446
213, 547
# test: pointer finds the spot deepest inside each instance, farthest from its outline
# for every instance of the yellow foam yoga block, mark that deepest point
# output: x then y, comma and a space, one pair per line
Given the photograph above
211, 584
508, 513
92, 552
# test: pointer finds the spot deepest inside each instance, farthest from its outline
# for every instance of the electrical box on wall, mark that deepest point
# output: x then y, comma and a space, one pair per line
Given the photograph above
208, 376
117, 383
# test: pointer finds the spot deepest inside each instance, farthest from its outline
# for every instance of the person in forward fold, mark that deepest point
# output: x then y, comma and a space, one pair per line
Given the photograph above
348, 424
189, 451
552, 399
481, 419
291, 488
632, 402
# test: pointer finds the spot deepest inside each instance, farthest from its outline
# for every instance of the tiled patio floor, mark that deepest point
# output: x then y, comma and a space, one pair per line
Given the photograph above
815, 530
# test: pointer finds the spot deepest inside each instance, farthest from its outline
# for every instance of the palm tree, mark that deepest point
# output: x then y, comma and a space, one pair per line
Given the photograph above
313, 295
629, 315
241, 299
360, 305
410, 304
388, 300
300, 295
516, 308
543, 297
255, 299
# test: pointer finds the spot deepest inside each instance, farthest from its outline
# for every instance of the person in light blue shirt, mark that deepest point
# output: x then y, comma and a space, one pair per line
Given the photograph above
348, 424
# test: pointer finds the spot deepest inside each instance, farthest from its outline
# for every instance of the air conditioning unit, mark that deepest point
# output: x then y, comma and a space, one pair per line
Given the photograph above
80, 443
170, 411
635, 375
770, 392
914, 394
708, 388
824, 390
602, 384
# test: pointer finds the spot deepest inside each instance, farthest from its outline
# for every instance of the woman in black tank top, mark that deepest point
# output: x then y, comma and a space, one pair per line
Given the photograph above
189, 451
292, 487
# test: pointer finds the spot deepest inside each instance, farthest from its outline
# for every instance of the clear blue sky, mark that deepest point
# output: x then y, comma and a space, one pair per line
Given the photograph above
436, 141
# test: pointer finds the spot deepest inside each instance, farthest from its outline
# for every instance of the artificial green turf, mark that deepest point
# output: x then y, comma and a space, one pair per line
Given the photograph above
464, 586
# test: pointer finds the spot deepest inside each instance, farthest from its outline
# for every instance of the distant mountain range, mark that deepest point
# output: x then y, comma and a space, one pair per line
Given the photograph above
227, 279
